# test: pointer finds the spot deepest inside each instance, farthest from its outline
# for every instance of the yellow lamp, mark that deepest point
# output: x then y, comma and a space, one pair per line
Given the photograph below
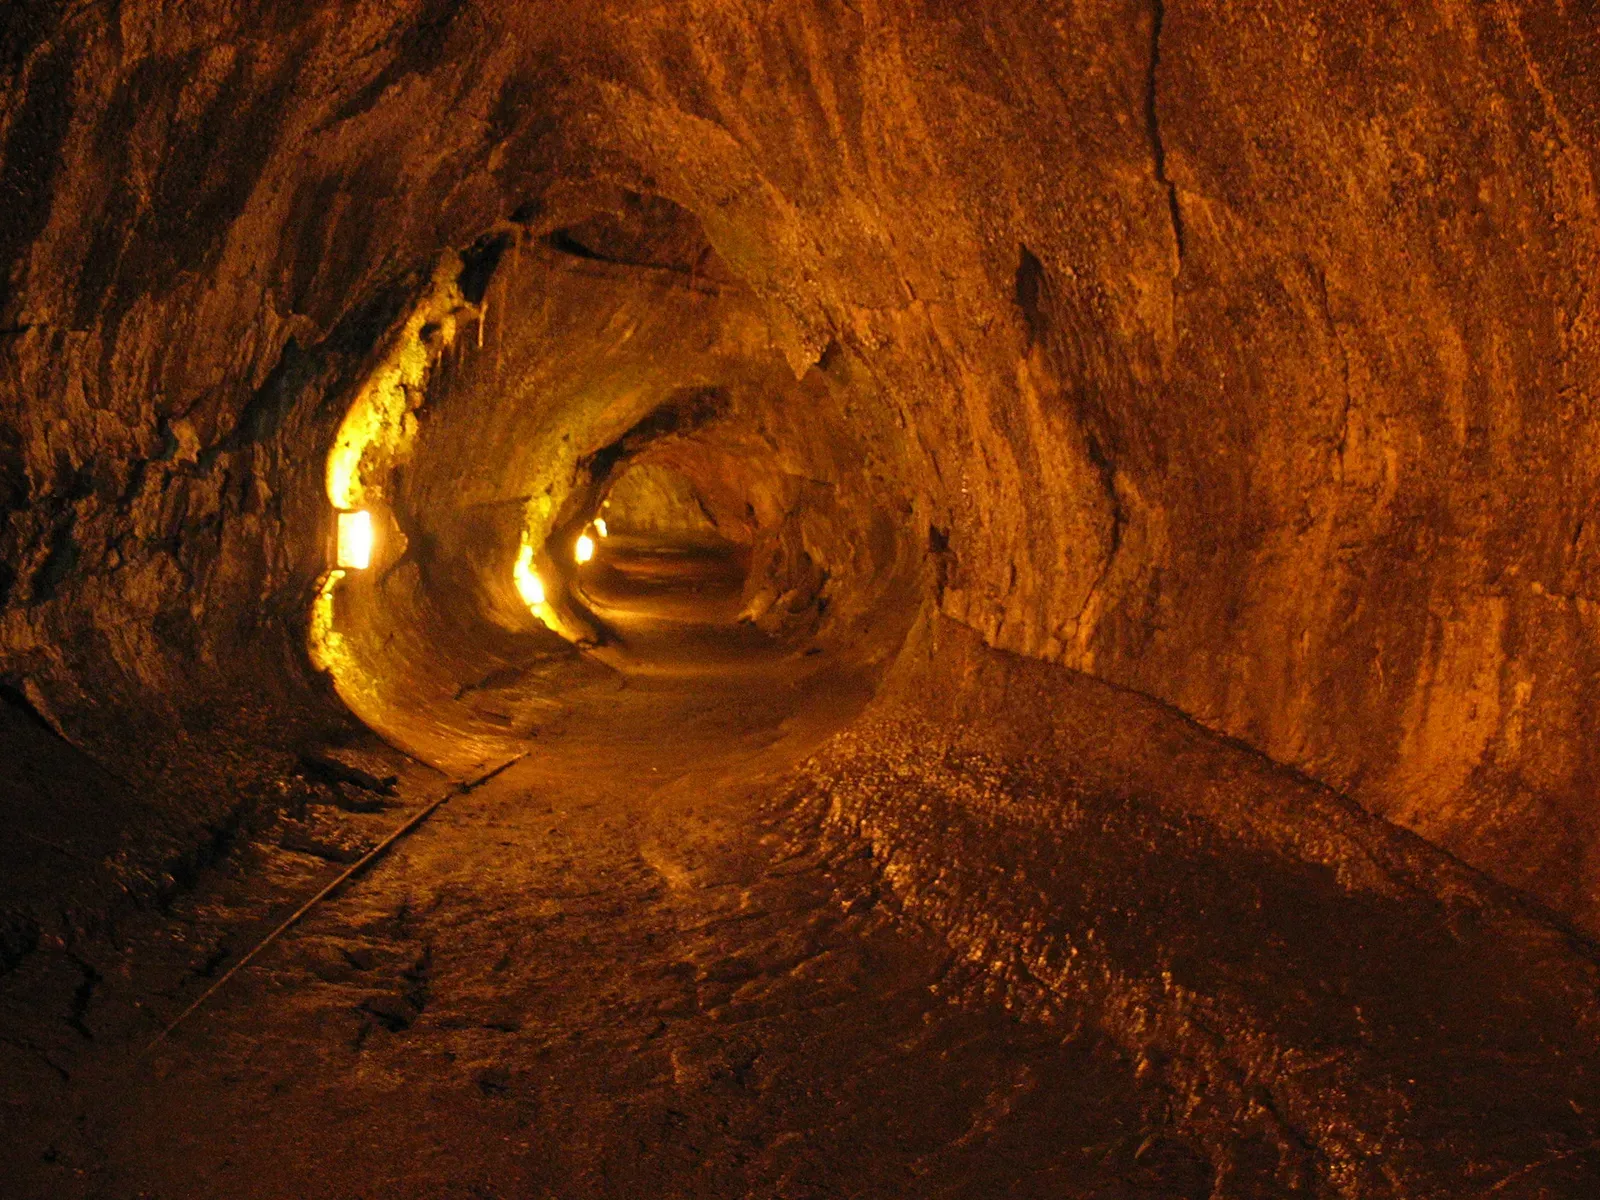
355, 540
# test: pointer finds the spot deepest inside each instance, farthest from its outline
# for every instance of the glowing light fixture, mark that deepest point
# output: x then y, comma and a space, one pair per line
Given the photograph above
600, 527
355, 540
583, 550
529, 586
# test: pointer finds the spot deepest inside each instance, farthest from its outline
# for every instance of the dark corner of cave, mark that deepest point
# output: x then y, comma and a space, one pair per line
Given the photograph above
845, 599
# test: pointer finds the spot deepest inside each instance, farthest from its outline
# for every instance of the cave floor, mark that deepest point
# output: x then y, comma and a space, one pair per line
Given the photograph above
613, 970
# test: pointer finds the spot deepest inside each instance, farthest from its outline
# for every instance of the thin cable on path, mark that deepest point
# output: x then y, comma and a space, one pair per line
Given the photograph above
355, 868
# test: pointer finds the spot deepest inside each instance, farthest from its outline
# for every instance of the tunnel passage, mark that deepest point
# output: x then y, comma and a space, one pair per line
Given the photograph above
1211, 390
1133, 322
609, 370
663, 554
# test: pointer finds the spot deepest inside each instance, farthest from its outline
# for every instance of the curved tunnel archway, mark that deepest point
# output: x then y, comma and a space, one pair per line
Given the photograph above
1101, 588
552, 369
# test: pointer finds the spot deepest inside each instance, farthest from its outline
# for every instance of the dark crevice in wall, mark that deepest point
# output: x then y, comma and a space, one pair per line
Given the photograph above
1152, 116
694, 277
217, 841
83, 996
19, 937
59, 564
1029, 295
645, 233
939, 551
478, 264
564, 242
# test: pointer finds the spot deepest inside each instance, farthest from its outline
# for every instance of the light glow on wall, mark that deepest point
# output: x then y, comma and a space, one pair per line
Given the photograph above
529, 586
583, 550
355, 540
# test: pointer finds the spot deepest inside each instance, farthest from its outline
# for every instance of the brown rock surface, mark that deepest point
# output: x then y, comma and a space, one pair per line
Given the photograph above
1246, 360
1241, 359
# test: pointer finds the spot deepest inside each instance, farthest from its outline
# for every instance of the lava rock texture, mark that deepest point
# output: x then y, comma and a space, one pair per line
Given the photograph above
1246, 359
1239, 361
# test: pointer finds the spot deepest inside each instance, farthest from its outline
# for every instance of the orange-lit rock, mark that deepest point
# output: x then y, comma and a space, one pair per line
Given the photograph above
1242, 358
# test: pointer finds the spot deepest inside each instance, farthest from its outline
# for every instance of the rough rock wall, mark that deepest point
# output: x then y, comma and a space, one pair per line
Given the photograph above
1372, 469
656, 500
1245, 356
1333, 1007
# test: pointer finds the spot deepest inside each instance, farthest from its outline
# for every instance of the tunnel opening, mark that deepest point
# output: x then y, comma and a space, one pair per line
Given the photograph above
608, 373
654, 541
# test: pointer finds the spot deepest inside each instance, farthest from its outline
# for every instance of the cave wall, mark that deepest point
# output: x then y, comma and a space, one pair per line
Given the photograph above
1245, 357
657, 501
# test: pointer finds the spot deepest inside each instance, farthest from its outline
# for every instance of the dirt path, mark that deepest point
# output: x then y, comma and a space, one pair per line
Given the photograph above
618, 970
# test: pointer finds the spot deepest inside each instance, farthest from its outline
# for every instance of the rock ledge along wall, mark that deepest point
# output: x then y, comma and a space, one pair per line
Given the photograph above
1242, 356
1328, 1004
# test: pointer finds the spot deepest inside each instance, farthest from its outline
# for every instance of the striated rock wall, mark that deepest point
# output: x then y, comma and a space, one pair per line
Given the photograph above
1244, 356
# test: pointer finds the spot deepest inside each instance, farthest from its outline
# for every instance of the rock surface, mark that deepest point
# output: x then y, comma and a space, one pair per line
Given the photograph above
1247, 360
1237, 363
